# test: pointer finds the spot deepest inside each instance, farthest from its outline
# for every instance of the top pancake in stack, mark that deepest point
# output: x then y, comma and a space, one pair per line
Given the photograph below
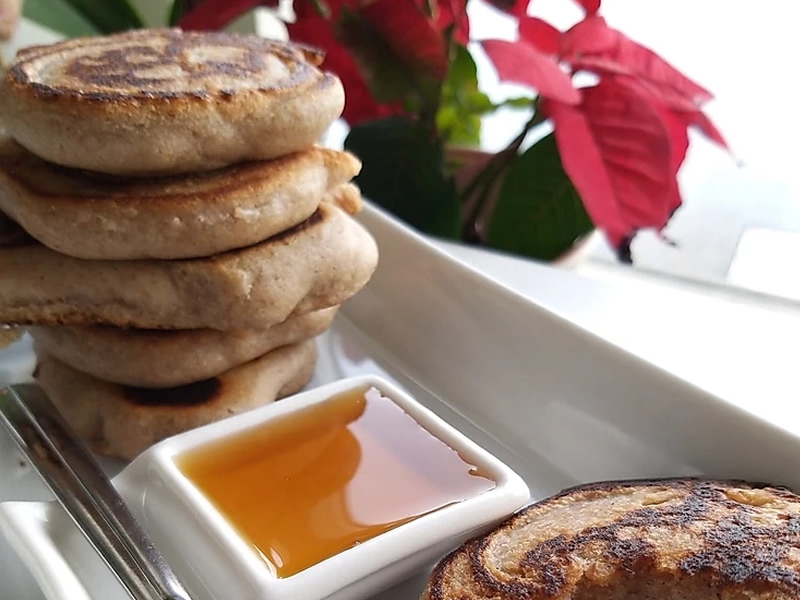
172, 199
155, 102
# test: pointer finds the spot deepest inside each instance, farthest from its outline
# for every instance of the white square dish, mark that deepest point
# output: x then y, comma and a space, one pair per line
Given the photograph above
214, 561
558, 405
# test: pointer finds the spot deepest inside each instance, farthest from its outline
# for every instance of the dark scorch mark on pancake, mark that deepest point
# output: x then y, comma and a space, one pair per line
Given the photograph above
191, 394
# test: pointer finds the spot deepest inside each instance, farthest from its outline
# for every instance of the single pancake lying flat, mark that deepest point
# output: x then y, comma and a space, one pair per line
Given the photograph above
318, 264
162, 101
679, 539
188, 216
124, 421
170, 358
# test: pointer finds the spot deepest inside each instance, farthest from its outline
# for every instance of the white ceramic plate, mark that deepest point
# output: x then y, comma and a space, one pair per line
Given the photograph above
214, 561
555, 403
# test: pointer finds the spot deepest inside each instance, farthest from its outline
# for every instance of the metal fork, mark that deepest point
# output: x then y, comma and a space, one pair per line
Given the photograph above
86, 493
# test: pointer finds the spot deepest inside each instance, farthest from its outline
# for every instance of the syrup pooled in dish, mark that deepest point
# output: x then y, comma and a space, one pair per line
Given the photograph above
312, 484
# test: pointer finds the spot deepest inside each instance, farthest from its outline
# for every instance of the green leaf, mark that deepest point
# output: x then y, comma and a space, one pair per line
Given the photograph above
403, 172
539, 214
59, 16
179, 8
110, 15
459, 130
521, 102
462, 103
463, 72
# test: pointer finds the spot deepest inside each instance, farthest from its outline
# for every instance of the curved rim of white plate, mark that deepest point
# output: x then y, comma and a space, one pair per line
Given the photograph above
24, 525
697, 394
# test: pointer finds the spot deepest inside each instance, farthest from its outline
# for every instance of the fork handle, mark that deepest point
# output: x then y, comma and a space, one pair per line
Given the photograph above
86, 494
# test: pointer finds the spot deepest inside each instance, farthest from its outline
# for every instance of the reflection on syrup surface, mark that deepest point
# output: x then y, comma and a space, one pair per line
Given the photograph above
312, 484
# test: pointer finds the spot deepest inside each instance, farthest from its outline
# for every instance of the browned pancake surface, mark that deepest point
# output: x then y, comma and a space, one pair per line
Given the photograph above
150, 64
675, 539
105, 217
318, 264
162, 101
157, 359
124, 421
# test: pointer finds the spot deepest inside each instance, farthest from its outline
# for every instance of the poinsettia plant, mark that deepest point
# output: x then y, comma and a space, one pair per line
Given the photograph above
604, 154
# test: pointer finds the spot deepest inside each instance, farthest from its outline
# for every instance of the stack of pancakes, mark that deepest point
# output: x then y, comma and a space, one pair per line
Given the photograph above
174, 240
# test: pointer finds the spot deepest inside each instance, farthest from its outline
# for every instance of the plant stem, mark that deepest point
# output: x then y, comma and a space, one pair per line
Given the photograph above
477, 190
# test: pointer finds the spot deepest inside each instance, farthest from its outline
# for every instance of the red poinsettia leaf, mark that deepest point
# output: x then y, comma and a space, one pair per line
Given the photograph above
674, 122
217, 14
540, 34
648, 65
677, 123
453, 13
409, 32
519, 62
698, 119
593, 46
591, 36
617, 151
679, 107
313, 29
604, 66
679, 144
583, 162
677, 134
517, 8
590, 6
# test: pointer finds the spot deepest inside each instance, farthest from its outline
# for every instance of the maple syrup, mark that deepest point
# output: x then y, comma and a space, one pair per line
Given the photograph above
312, 484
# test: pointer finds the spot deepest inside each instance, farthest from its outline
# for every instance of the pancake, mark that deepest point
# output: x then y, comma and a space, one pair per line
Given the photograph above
11, 234
188, 216
318, 264
163, 101
124, 421
679, 539
170, 358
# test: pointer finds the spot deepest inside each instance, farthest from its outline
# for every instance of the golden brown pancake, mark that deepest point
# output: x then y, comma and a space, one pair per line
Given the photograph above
170, 358
188, 216
318, 264
124, 421
677, 539
162, 101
